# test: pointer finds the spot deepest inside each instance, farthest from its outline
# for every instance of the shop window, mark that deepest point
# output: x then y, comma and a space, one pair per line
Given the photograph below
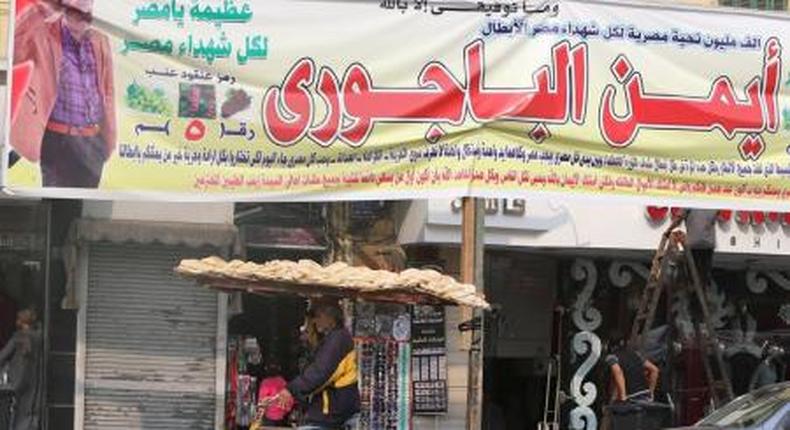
756, 4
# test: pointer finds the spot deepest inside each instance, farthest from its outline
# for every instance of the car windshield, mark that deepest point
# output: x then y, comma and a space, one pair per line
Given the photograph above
750, 410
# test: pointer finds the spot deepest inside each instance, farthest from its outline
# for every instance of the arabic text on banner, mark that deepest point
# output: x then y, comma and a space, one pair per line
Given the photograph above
301, 100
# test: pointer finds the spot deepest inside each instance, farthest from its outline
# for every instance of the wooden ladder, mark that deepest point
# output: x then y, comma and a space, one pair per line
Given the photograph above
716, 373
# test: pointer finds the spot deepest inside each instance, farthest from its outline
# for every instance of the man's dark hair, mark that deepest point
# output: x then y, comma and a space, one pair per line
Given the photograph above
617, 340
331, 309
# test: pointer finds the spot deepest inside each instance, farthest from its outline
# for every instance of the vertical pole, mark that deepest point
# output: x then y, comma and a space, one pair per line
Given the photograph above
472, 249
5, 95
46, 319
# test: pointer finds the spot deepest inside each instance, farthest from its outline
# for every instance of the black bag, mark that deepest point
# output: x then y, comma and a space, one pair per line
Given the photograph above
625, 416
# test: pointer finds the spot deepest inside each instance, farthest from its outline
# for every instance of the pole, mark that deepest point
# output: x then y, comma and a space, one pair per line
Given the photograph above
472, 250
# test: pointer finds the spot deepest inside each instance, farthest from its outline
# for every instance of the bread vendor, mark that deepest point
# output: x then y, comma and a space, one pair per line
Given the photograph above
328, 385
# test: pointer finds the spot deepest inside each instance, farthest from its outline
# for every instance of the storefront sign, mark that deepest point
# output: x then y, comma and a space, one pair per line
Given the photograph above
515, 207
504, 214
739, 231
293, 100
657, 214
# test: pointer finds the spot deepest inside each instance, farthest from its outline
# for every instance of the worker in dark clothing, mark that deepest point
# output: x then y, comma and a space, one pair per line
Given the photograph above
329, 383
701, 240
633, 376
22, 354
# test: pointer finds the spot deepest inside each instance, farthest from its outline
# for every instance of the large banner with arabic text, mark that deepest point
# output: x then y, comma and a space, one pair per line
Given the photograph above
322, 100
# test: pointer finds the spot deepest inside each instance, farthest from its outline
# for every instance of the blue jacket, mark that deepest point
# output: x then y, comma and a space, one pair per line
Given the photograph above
329, 383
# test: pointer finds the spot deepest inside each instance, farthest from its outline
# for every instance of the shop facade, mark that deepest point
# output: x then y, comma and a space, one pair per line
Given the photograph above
148, 346
571, 274
402, 354
124, 343
32, 235
132, 345
24, 264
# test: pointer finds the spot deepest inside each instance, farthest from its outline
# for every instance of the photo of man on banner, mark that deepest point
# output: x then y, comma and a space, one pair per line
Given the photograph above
66, 119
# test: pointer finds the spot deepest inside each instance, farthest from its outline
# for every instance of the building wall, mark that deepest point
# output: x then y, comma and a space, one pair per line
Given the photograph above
584, 227
4, 14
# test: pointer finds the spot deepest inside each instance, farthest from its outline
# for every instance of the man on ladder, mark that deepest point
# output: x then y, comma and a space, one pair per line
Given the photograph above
693, 250
701, 240
633, 377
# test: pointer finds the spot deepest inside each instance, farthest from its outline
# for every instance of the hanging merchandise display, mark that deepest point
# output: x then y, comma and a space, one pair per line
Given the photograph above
429, 360
384, 384
246, 400
382, 334
244, 354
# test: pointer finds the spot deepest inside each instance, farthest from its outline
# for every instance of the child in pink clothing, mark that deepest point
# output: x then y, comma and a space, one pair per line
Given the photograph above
269, 388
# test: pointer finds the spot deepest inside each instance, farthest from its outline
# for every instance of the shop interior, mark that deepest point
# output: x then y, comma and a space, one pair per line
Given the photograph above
23, 258
266, 347
400, 374
264, 341
22, 263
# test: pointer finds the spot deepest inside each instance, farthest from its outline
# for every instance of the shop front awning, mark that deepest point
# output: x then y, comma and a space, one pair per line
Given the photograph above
309, 279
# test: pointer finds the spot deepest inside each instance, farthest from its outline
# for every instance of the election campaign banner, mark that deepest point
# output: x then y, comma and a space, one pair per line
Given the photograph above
319, 100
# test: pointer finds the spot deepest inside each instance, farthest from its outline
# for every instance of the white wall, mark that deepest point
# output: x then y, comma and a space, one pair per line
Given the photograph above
578, 226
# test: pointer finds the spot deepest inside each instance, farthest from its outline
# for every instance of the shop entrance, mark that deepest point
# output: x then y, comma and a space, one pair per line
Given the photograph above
22, 263
23, 268
264, 341
518, 338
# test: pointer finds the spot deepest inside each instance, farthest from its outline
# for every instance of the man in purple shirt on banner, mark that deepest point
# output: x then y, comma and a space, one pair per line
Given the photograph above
67, 121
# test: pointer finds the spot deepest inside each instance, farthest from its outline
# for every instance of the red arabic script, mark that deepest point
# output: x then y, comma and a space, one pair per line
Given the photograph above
328, 88
721, 109
439, 98
288, 112
354, 105
556, 94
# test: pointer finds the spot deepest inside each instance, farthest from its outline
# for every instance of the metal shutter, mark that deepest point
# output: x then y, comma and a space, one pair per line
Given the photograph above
150, 341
